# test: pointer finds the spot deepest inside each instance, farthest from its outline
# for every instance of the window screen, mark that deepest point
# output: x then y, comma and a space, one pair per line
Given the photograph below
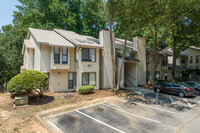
64, 55
57, 55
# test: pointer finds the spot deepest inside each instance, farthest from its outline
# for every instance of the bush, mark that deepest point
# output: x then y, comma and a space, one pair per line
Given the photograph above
160, 82
85, 89
27, 81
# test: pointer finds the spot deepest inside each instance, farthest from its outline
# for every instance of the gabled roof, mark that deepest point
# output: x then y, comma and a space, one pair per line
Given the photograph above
196, 48
78, 40
49, 37
27, 43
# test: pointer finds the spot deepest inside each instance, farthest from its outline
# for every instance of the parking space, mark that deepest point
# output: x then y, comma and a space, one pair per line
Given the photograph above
186, 102
124, 116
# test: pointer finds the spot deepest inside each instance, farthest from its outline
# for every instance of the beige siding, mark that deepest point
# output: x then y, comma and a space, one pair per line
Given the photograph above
37, 54
31, 59
106, 60
141, 55
191, 52
45, 58
87, 66
58, 81
60, 66
26, 58
119, 62
131, 74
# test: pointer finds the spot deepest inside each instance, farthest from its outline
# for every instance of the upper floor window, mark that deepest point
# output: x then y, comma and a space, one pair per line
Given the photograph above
165, 60
88, 54
64, 55
191, 59
57, 55
197, 59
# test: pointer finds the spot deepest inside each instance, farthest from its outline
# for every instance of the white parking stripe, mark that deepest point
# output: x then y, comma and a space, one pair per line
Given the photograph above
132, 114
188, 103
171, 100
156, 108
99, 121
195, 104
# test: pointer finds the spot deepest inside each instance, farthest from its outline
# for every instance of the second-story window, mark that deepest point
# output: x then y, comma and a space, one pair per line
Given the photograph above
191, 59
197, 59
57, 55
88, 54
64, 55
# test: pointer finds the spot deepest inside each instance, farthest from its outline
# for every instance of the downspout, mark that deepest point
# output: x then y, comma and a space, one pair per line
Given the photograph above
77, 73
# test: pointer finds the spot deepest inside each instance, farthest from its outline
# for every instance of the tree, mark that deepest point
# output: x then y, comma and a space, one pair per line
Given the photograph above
127, 19
111, 13
182, 21
93, 19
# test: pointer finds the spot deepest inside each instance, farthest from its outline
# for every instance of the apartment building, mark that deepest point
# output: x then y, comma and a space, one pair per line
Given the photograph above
188, 59
71, 60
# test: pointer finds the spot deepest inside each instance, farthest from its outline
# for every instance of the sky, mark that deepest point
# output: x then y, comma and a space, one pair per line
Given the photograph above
6, 11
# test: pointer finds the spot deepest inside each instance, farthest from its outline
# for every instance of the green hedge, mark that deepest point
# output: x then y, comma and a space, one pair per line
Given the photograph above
85, 89
27, 81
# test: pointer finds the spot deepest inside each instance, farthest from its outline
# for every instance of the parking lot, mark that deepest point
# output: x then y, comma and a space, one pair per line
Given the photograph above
155, 113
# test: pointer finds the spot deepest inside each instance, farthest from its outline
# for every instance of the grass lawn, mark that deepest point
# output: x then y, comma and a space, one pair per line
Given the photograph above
22, 119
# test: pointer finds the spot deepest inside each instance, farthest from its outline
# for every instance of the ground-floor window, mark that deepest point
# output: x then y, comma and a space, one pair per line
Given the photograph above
147, 76
72, 80
165, 75
157, 75
89, 78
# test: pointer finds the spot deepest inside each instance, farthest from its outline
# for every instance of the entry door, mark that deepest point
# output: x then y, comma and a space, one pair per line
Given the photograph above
71, 80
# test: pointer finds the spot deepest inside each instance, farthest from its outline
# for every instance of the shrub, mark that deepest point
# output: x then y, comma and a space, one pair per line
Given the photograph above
85, 89
27, 81
162, 81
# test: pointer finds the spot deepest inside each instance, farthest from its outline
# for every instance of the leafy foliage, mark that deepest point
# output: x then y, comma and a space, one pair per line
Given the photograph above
27, 81
85, 89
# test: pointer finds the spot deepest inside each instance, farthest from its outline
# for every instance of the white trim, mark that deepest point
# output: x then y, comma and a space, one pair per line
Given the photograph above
99, 121
132, 114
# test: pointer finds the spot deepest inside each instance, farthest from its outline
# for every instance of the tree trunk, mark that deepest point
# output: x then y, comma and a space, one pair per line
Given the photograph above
153, 57
174, 54
122, 64
113, 57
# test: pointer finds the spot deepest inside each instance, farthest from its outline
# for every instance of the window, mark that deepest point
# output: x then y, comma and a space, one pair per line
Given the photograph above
57, 55
197, 59
197, 67
157, 75
72, 79
165, 60
148, 59
191, 67
158, 59
191, 59
89, 79
88, 54
182, 60
64, 55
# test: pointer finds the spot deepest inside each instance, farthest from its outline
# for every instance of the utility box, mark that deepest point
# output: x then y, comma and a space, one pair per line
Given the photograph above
21, 100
